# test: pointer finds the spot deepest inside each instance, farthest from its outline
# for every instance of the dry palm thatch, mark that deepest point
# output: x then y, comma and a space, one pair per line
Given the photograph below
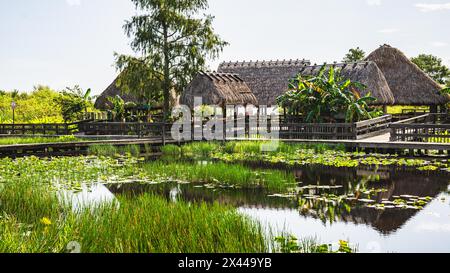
409, 84
103, 103
267, 79
218, 89
366, 73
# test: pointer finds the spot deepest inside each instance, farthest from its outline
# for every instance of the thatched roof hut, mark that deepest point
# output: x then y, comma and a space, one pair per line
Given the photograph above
267, 79
366, 73
218, 89
409, 84
102, 102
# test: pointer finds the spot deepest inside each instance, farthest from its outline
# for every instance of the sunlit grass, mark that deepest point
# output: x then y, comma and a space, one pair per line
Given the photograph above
37, 140
221, 174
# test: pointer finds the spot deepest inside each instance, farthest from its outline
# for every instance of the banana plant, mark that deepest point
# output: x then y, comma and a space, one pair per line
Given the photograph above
326, 97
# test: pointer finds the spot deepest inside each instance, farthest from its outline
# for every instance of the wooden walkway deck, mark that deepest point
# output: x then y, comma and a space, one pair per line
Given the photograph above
379, 143
75, 148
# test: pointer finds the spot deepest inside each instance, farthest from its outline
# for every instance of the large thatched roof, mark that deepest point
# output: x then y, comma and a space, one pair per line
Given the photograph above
267, 79
218, 89
366, 73
103, 103
409, 84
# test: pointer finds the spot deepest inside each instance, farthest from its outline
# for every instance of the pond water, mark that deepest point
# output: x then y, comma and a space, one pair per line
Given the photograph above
395, 226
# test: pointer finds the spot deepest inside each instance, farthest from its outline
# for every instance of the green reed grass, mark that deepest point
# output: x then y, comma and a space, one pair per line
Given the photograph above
37, 140
222, 173
111, 150
206, 149
32, 220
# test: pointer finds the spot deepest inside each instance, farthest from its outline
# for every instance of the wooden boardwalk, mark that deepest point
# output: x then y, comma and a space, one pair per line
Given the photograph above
76, 148
379, 143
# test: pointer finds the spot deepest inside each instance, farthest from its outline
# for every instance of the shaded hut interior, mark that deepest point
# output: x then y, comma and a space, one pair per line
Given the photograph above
219, 89
267, 79
409, 84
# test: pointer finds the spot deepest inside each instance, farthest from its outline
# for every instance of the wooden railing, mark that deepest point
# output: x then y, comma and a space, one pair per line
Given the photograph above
425, 128
373, 127
156, 129
39, 129
295, 130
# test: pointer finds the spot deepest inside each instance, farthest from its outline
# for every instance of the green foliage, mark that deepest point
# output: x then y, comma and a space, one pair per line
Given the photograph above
73, 102
33, 140
221, 174
174, 42
172, 150
38, 106
33, 220
354, 55
434, 67
290, 244
112, 151
139, 79
327, 97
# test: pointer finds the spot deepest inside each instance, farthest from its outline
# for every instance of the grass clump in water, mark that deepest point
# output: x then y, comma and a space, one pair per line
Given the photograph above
221, 174
112, 151
34, 221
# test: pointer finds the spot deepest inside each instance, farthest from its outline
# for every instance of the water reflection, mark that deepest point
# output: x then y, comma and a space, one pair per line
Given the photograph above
89, 196
403, 230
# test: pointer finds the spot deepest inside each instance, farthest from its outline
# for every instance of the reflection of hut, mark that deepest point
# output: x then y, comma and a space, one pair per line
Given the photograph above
408, 83
267, 79
366, 73
219, 89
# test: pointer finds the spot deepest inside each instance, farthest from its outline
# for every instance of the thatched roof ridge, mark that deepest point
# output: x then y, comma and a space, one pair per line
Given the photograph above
266, 79
366, 73
102, 102
218, 89
257, 63
409, 84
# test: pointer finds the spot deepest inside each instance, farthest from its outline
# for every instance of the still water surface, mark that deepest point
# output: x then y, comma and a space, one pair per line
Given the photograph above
370, 229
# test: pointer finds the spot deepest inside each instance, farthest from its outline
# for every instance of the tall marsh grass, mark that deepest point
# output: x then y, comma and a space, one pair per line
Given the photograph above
111, 150
32, 220
222, 173
206, 149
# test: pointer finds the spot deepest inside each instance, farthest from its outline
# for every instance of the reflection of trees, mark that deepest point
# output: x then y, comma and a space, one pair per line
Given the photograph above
334, 207
193, 193
397, 182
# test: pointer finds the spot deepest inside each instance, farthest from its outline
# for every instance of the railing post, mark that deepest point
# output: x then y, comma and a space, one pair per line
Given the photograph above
164, 134
393, 137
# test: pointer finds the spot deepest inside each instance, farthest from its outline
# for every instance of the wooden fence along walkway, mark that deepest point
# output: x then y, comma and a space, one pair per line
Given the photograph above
155, 129
39, 129
425, 128
433, 128
343, 131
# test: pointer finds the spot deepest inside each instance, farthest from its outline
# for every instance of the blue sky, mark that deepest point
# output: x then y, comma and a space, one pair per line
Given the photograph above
65, 42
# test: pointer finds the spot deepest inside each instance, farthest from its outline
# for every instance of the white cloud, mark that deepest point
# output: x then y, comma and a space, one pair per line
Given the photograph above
388, 30
373, 2
439, 44
432, 7
73, 2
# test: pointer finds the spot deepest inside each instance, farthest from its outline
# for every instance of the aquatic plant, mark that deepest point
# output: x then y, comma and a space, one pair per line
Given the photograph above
32, 219
290, 244
220, 174
112, 150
